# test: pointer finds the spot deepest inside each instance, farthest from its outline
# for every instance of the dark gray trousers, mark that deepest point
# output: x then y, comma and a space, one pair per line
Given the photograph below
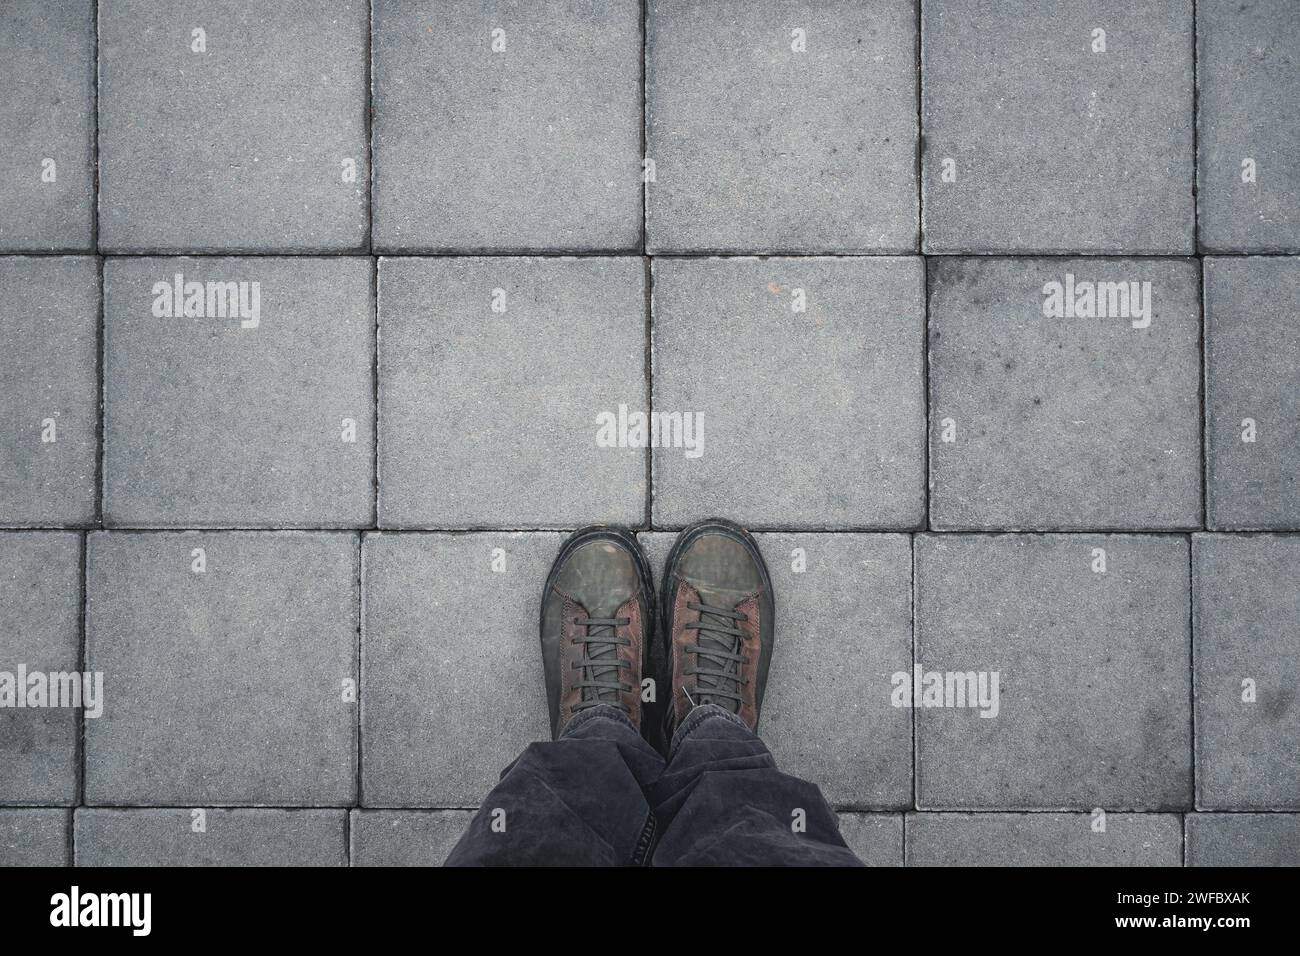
602, 796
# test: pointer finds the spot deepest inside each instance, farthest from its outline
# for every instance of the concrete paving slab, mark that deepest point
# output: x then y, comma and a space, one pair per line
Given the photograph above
1248, 109
1044, 839
406, 837
230, 671
239, 392
40, 647
1093, 700
1247, 627
1252, 392
1064, 394
803, 378
47, 126
1057, 127
779, 129
513, 128
229, 128
494, 375
49, 402
452, 688
201, 836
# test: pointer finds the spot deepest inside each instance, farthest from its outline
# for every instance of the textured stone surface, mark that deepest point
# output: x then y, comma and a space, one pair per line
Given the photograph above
876, 838
760, 147
1094, 701
47, 117
519, 140
827, 714
224, 837
49, 313
226, 686
1247, 627
1044, 839
1248, 109
241, 147
1063, 423
489, 418
452, 686
1252, 381
406, 837
40, 632
1057, 148
216, 421
1243, 839
810, 419
35, 837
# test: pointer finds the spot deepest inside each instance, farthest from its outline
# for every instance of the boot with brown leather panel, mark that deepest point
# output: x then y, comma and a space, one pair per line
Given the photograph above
718, 612
597, 622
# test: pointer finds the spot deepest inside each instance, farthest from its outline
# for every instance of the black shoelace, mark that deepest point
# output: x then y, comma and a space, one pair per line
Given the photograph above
718, 645
600, 665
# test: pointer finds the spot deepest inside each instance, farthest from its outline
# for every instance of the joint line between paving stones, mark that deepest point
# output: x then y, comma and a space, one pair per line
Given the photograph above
369, 122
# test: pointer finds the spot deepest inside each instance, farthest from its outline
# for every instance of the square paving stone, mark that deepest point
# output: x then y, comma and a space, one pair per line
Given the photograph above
1044, 839
1247, 671
225, 127
1248, 110
253, 407
1050, 418
35, 837
452, 687
47, 70
1243, 839
1093, 706
494, 375
49, 406
406, 837
803, 378
827, 715
1252, 401
508, 128
229, 662
780, 129
209, 837
40, 638
1037, 140
876, 838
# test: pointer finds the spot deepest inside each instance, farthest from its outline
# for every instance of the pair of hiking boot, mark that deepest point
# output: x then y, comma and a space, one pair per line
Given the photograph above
711, 643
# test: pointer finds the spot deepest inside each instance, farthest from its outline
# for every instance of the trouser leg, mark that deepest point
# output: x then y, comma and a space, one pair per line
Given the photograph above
722, 801
576, 801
